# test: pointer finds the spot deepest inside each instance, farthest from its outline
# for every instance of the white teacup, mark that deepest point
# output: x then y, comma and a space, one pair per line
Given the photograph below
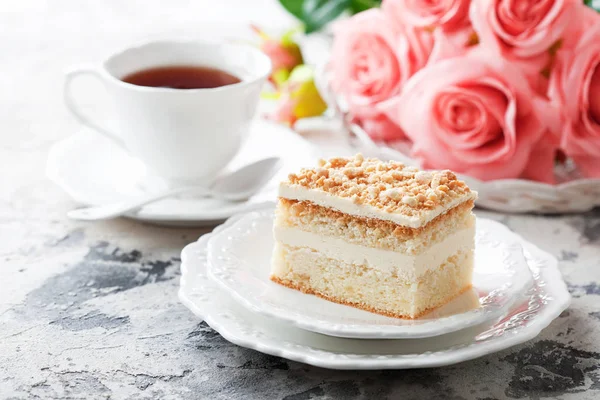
180, 134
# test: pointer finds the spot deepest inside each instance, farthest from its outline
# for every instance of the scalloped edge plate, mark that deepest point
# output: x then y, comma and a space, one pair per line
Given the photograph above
543, 302
239, 259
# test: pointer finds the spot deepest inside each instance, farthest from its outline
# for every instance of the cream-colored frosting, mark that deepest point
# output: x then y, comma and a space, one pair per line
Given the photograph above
347, 206
387, 261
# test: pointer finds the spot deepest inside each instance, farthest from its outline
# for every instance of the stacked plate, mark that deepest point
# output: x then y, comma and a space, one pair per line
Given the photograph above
517, 291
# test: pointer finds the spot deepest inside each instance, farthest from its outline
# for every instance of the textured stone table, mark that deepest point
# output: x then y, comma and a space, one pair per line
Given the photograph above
91, 310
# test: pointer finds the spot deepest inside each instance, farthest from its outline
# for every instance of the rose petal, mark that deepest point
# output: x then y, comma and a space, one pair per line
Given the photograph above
540, 165
525, 28
500, 127
572, 93
381, 128
449, 14
369, 61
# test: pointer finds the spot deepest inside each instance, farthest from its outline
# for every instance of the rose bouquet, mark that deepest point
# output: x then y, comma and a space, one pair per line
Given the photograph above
494, 89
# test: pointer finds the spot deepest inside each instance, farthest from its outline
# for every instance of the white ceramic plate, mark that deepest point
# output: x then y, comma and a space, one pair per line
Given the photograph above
543, 302
239, 260
93, 171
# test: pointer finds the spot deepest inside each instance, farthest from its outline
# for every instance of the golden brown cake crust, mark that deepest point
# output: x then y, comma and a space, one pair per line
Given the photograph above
309, 290
296, 207
388, 186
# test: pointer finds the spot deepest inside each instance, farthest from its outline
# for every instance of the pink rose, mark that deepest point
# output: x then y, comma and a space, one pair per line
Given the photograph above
372, 58
452, 44
449, 14
381, 128
521, 28
586, 18
476, 118
575, 90
524, 31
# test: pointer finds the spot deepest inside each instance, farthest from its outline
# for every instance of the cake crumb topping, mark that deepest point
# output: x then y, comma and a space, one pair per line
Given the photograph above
390, 186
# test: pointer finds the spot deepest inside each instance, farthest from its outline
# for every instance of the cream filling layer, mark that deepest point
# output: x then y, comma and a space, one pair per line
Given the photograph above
347, 206
386, 261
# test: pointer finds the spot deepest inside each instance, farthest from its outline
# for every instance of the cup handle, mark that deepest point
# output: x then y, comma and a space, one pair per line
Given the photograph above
74, 108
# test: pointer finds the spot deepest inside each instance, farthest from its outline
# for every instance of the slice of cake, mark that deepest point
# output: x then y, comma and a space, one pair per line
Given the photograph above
375, 235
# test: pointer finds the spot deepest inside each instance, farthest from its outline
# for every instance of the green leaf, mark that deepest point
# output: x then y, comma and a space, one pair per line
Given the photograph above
593, 4
317, 13
357, 6
294, 7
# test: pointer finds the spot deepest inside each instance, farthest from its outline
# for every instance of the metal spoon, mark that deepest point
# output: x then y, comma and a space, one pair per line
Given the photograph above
238, 185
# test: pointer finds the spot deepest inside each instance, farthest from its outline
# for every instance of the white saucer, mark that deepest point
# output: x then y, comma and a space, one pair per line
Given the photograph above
93, 171
543, 302
239, 261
